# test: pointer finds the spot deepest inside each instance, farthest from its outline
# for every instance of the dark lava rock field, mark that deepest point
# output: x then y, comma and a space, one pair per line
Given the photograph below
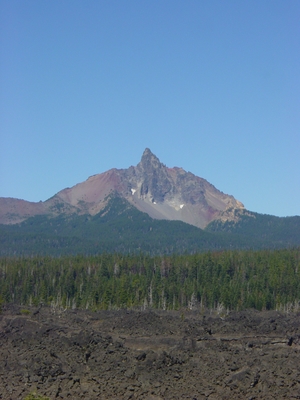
78, 354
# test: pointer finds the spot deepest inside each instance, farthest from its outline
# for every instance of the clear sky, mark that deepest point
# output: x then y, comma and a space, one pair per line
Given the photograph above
210, 86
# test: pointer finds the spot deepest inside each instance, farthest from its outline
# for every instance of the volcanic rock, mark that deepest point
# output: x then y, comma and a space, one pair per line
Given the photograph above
151, 187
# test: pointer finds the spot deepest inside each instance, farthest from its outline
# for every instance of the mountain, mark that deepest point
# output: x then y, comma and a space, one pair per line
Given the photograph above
148, 208
151, 187
118, 227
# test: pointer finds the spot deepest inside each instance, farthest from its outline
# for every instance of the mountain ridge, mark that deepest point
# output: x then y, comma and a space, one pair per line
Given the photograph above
121, 228
151, 187
147, 208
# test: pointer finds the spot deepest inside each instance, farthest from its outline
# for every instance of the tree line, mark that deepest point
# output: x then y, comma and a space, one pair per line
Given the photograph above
265, 279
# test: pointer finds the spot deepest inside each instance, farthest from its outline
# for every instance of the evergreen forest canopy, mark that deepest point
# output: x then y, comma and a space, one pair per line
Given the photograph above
228, 280
121, 228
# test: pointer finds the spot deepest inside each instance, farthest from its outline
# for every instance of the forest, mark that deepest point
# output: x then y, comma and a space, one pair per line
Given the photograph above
121, 228
227, 280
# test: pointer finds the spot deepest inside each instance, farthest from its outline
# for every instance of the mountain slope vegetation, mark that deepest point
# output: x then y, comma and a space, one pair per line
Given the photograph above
269, 230
120, 227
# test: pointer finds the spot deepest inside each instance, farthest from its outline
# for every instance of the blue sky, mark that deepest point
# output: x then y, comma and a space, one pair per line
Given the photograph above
210, 86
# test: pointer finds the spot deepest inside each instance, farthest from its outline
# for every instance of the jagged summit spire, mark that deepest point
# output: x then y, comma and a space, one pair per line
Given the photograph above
148, 153
149, 160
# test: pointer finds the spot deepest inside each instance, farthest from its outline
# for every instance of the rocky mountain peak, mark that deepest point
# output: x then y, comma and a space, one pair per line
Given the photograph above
151, 187
152, 178
149, 162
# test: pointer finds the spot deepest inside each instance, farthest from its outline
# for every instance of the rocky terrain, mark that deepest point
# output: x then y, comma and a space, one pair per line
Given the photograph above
73, 354
147, 208
151, 187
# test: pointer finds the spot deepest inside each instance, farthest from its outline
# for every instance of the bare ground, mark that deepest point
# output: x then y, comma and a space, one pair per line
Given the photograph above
151, 355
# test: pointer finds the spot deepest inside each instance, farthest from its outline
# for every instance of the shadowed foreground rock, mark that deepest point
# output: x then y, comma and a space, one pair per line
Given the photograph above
148, 355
